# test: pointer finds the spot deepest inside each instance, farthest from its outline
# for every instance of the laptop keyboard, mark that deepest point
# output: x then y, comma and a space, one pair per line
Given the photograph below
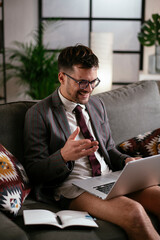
105, 188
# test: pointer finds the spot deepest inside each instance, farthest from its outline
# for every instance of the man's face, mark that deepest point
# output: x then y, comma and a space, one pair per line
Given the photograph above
71, 90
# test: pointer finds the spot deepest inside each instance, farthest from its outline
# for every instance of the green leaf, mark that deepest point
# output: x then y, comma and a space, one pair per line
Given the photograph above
150, 31
34, 66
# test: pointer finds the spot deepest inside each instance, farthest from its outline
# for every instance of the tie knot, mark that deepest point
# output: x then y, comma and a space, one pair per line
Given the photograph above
78, 109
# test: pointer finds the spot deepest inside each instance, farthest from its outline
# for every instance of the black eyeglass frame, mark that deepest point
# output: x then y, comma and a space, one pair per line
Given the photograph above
84, 81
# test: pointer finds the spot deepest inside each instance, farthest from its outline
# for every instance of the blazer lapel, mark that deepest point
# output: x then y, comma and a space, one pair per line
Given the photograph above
97, 130
59, 113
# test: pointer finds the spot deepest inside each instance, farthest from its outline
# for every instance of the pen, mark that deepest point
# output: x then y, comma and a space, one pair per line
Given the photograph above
59, 220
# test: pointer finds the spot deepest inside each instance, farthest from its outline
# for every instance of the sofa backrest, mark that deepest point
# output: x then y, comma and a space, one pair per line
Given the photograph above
133, 109
11, 126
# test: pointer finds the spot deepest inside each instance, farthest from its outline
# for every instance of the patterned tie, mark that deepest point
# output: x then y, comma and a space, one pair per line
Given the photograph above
96, 168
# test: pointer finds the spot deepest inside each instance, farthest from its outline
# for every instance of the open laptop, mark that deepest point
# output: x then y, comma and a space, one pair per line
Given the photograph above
135, 176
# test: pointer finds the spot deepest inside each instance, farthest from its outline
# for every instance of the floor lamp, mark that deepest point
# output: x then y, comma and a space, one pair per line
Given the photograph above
102, 46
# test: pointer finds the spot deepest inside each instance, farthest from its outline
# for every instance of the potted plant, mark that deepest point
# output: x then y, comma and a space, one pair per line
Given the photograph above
34, 66
149, 36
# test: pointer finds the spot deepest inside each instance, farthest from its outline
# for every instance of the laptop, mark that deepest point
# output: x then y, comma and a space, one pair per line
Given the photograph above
136, 175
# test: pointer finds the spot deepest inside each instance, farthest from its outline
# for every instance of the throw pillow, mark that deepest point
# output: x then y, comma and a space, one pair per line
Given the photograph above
143, 145
14, 183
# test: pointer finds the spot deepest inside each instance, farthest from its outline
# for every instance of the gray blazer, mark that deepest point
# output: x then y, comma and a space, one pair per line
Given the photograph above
46, 131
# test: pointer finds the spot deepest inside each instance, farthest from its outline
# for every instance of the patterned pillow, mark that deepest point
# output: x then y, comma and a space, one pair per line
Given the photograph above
14, 184
143, 145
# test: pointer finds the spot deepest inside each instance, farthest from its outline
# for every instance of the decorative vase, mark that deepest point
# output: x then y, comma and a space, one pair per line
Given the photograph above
154, 61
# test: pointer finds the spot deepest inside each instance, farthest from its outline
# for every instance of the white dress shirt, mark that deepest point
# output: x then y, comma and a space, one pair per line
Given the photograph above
82, 168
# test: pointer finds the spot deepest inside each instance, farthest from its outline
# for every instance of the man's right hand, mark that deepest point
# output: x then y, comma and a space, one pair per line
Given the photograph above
75, 149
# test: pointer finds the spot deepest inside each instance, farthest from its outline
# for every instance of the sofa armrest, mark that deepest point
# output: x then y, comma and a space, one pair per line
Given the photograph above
9, 230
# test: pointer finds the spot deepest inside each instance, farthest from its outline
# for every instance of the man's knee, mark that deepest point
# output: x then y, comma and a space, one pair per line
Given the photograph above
135, 216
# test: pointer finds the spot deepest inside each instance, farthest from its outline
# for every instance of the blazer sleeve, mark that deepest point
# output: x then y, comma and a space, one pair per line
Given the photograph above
42, 166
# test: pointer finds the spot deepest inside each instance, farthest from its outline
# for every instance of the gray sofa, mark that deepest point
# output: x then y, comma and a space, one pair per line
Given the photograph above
131, 110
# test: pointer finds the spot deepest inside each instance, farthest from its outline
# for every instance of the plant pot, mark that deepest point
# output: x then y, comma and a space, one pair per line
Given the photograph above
154, 62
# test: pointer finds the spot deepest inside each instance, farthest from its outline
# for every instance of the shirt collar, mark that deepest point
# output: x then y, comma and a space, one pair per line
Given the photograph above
69, 105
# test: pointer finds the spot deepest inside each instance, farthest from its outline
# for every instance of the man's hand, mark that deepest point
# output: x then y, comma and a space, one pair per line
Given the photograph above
129, 159
75, 149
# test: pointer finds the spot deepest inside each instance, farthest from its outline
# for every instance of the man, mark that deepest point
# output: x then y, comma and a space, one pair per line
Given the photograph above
56, 150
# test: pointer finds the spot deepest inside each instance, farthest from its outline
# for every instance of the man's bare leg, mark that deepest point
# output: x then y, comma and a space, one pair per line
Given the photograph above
123, 211
149, 198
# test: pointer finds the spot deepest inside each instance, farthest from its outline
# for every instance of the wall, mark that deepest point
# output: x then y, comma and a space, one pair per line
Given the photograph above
152, 6
21, 18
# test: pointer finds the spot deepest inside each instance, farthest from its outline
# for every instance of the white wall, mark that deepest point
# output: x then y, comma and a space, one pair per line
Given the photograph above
21, 18
152, 6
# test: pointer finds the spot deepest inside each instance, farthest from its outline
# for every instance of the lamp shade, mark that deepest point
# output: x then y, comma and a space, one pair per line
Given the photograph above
102, 46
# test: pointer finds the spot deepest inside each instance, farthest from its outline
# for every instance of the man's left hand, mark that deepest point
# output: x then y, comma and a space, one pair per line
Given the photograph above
129, 159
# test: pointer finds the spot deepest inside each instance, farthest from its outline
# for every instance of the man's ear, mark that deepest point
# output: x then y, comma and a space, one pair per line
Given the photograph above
61, 77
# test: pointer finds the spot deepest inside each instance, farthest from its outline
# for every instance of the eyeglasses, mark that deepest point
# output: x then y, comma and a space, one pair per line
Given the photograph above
85, 83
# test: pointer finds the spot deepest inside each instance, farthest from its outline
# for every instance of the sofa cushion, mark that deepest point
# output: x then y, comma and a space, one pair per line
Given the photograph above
10, 230
142, 145
14, 184
132, 109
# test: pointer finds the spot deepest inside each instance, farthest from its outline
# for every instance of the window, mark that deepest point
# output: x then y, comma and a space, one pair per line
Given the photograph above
77, 18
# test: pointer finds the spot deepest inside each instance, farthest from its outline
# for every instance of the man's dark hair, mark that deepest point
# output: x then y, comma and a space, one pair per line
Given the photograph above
75, 55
